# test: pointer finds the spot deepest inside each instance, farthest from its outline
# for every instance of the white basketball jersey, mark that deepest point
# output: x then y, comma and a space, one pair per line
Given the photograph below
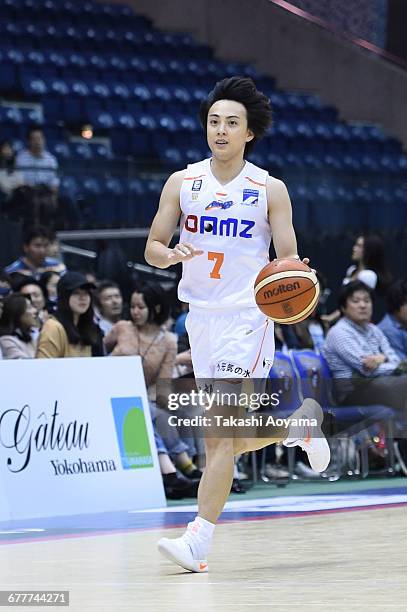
230, 224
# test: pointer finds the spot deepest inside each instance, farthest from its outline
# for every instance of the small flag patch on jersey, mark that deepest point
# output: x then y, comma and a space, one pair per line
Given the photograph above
196, 185
250, 197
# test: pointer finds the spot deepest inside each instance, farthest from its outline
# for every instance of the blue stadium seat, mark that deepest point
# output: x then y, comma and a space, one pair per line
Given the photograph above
61, 151
82, 150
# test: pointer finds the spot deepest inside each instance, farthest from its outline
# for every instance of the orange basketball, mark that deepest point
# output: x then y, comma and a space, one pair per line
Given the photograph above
286, 291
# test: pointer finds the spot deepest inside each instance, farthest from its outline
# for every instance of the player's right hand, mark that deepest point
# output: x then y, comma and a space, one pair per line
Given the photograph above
184, 251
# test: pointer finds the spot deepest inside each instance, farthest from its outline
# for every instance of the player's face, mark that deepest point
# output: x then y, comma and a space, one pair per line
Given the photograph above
357, 251
138, 310
359, 307
227, 130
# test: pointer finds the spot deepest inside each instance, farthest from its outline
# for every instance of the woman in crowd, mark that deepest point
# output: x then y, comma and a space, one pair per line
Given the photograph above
49, 282
145, 335
369, 263
369, 266
71, 331
16, 323
10, 178
33, 290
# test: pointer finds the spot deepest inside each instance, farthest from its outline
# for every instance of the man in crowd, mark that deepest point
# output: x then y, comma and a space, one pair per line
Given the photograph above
109, 301
394, 324
38, 166
34, 260
363, 364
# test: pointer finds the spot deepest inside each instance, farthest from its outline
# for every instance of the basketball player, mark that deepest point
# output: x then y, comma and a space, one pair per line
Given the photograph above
229, 210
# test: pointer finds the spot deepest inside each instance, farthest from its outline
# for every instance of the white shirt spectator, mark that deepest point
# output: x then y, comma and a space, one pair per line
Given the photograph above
38, 169
369, 277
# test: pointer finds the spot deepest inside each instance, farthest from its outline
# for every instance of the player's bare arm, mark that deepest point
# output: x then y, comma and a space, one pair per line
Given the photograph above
157, 252
280, 218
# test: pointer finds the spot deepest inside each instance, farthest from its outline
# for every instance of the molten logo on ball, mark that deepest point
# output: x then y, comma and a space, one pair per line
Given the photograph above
281, 289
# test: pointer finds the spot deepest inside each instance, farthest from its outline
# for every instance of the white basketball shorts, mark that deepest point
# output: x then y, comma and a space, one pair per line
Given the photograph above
232, 343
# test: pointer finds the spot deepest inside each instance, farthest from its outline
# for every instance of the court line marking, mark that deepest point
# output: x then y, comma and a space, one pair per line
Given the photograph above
90, 534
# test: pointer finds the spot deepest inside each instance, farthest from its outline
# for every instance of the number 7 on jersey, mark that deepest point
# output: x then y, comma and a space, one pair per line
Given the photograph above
218, 259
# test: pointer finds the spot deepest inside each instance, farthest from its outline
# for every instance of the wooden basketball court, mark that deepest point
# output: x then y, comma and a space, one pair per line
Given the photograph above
351, 559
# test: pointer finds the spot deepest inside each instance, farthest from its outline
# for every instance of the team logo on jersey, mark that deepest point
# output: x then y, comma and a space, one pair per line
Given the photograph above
219, 227
250, 197
196, 185
219, 205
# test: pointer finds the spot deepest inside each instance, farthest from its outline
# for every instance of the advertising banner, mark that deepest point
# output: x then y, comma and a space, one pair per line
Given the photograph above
76, 437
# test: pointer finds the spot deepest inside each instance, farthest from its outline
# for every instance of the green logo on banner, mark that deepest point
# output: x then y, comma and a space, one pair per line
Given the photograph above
132, 432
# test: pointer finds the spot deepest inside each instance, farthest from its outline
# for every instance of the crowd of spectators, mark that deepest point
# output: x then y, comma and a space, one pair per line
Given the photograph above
30, 185
47, 311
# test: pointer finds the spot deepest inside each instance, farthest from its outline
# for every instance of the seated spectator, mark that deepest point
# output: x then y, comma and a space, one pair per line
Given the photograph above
71, 331
16, 323
394, 323
362, 362
38, 166
49, 282
146, 336
34, 291
10, 178
109, 302
5, 288
34, 261
40, 173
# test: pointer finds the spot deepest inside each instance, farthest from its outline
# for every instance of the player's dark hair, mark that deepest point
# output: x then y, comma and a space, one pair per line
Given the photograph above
396, 295
348, 290
243, 90
157, 302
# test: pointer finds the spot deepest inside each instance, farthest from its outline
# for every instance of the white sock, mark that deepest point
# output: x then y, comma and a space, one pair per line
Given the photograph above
199, 537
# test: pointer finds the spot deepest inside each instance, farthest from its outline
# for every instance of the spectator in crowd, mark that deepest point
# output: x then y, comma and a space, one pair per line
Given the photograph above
71, 331
16, 323
49, 282
40, 173
5, 288
10, 178
370, 267
362, 362
146, 336
38, 166
179, 325
109, 301
394, 323
34, 291
34, 261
